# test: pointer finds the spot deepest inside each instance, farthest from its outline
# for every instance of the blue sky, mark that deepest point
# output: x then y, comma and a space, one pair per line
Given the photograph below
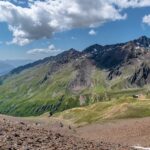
120, 29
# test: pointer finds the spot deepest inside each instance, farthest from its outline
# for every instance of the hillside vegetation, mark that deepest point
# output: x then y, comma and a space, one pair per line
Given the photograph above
97, 74
103, 111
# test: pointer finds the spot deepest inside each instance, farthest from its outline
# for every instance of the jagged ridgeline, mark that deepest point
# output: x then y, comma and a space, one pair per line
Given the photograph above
98, 73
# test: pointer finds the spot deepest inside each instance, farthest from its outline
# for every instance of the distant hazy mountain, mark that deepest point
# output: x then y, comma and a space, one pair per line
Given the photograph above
17, 63
8, 65
5, 67
97, 73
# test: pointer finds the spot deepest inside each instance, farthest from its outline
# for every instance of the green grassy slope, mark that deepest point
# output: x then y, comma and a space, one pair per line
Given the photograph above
25, 94
38, 89
103, 111
33, 92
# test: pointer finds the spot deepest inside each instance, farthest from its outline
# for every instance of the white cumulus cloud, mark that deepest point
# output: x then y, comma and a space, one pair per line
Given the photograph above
146, 19
51, 49
42, 19
130, 3
92, 32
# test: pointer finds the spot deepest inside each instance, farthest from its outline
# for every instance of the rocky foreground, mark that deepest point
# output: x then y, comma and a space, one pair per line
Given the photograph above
20, 135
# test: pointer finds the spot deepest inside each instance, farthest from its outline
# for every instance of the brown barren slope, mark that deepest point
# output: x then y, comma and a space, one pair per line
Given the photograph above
16, 134
128, 131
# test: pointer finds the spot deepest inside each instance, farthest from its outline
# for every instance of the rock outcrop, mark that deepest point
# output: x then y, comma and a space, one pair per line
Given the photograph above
142, 76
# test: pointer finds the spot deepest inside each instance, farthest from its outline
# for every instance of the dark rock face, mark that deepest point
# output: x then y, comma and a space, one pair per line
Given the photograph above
142, 76
114, 73
83, 76
106, 57
143, 41
112, 56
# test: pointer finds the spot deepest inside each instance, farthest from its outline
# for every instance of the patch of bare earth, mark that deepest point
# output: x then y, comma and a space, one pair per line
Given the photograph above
127, 132
16, 134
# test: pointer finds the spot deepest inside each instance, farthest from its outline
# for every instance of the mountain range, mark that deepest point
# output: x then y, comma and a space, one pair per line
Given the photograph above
7, 65
98, 73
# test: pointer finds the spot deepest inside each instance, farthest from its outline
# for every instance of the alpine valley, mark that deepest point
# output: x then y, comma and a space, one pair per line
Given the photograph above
99, 78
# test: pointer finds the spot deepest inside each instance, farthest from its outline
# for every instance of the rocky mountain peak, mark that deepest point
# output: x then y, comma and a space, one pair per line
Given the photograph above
143, 38
72, 50
93, 48
67, 56
142, 41
71, 53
